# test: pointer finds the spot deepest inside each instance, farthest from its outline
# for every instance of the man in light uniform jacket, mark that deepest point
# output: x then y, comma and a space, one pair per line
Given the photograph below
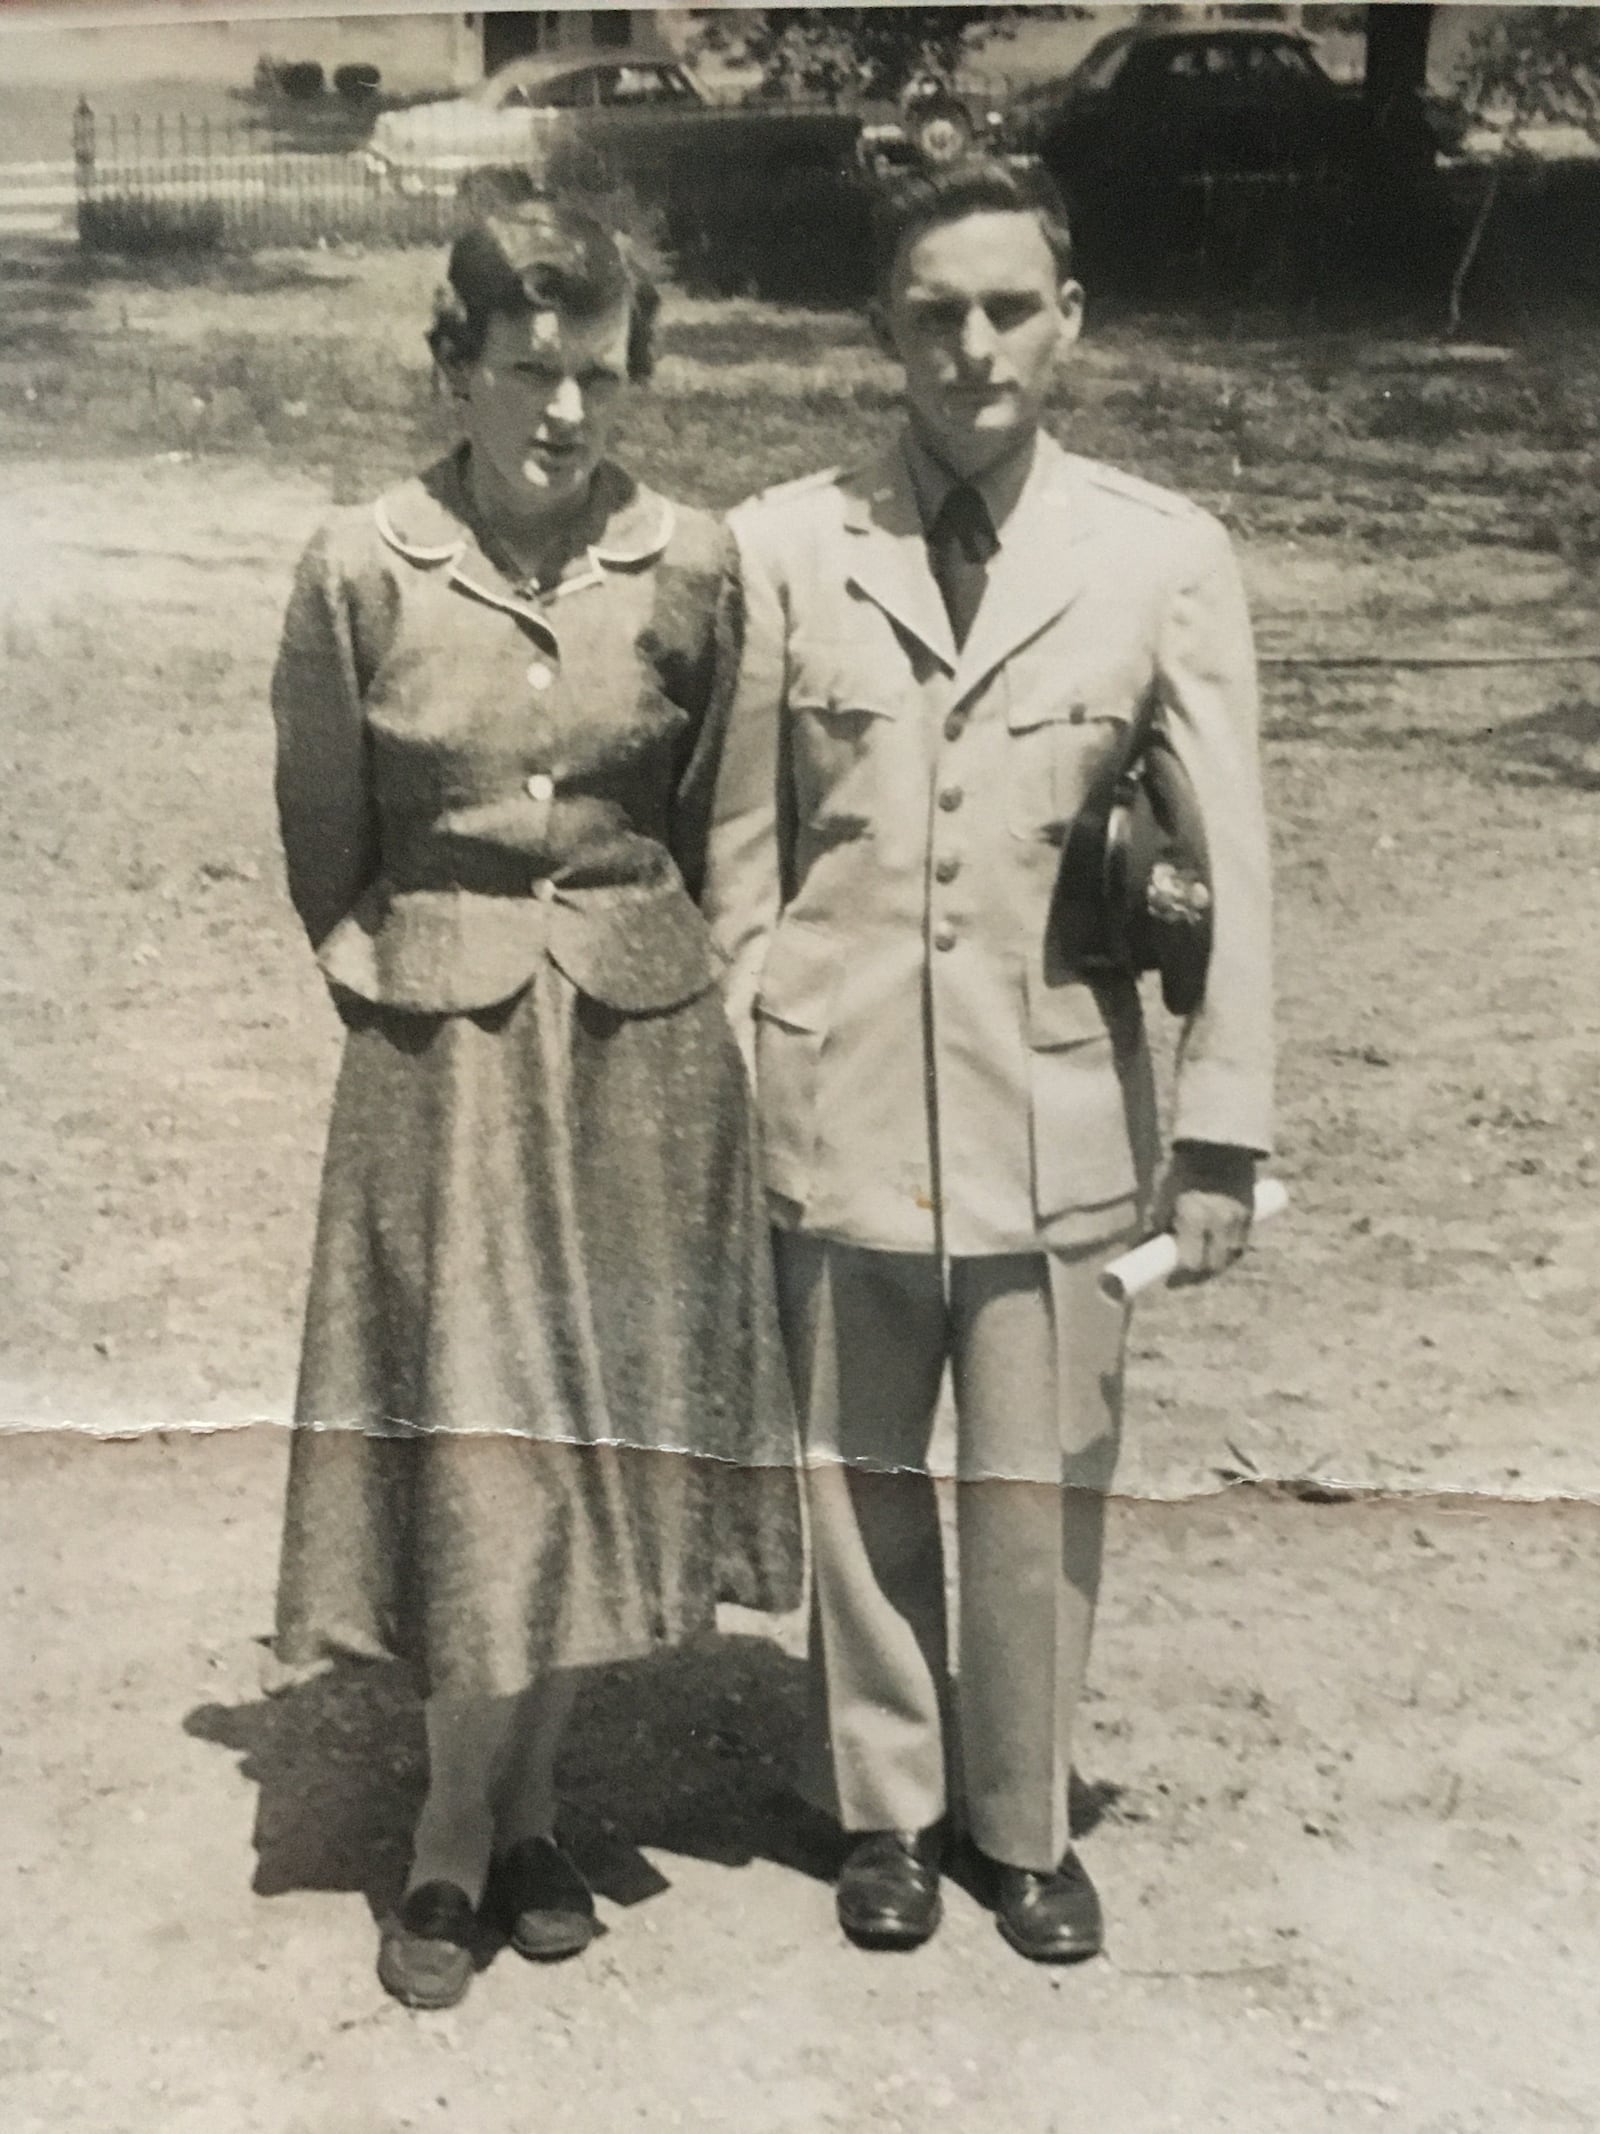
942, 647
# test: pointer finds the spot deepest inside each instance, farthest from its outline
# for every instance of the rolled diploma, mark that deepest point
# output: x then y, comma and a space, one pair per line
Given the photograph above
1157, 1258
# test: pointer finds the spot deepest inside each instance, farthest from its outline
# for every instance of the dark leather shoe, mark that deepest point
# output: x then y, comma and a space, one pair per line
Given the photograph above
425, 1955
1053, 1918
545, 1904
888, 1895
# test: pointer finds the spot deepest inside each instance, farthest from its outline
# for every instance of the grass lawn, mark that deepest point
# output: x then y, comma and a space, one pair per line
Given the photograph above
171, 442
315, 361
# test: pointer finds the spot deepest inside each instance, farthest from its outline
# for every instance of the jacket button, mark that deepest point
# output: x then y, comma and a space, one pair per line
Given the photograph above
950, 798
541, 786
539, 676
945, 937
947, 869
954, 727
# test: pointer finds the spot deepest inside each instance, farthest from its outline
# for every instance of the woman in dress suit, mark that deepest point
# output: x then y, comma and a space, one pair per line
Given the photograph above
544, 1422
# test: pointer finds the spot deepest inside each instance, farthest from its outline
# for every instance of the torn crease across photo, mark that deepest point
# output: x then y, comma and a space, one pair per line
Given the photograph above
800, 1126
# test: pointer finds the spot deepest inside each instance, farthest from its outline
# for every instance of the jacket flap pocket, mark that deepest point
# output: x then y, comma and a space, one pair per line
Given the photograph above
1046, 688
639, 955
1063, 1015
834, 675
798, 978
434, 952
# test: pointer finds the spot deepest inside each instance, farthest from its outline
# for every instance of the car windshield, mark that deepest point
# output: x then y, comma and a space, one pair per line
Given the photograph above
1282, 57
557, 92
644, 85
1106, 61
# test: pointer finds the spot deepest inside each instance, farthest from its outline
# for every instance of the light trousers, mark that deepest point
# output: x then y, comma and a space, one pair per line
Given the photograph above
1035, 1354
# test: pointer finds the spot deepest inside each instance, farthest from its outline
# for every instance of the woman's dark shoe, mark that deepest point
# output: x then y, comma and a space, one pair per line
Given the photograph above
888, 1895
1050, 1918
425, 1955
543, 1902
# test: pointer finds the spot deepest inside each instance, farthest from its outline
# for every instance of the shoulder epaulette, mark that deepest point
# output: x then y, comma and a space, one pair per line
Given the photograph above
1138, 491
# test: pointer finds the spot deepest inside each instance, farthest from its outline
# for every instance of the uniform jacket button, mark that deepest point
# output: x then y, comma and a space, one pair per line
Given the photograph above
945, 937
954, 727
947, 869
540, 676
950, 798
541, 786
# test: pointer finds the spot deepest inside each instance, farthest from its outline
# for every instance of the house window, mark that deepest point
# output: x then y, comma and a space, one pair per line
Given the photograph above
611, 28
512, 33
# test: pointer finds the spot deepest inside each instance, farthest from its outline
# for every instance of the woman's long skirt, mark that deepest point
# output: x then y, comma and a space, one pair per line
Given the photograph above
543, 1419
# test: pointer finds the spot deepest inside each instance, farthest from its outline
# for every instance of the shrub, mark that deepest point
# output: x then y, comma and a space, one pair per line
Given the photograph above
150, 229
357, 82
802, 238
302, 80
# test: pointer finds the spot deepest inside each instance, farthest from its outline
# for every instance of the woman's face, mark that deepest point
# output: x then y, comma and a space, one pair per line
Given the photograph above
542, 403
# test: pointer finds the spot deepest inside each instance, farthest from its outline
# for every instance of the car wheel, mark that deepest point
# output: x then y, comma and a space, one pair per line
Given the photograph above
944, 134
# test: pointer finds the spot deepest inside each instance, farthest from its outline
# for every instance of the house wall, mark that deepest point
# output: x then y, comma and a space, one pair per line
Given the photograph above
513, 33
424, 49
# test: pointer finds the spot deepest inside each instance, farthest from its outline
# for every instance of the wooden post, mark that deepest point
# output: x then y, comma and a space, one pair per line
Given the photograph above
83, 143
83, 157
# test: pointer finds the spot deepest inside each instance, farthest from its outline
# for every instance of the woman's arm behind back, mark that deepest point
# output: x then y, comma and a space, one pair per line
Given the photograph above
326, 813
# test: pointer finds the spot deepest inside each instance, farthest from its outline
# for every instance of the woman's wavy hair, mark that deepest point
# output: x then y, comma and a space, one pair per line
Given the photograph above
526, 250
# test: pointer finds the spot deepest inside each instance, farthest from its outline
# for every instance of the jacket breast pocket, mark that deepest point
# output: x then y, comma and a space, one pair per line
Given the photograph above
793, 1011
843, 699
1092, 1108
1066, 725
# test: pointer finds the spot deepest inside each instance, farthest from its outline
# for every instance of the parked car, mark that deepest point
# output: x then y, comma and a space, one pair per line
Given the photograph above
1172, 102
509, 119
763, 195
1224, 144
645, 117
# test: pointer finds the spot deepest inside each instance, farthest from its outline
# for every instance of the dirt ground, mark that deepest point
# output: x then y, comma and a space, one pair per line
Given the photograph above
1337, 1767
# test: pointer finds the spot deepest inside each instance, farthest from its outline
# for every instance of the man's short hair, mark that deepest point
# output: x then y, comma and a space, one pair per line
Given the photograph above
917, 200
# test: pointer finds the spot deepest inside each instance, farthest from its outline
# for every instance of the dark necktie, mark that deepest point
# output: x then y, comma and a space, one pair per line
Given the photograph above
961, 543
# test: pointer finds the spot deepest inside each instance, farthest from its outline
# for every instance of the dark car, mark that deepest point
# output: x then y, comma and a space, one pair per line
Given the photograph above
1226, 145
1166, 104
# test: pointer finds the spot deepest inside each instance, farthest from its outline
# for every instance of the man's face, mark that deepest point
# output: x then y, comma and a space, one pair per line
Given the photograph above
976, 315
542, 404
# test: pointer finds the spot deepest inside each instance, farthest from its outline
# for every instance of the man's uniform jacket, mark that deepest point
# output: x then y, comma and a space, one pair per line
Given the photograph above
890, 821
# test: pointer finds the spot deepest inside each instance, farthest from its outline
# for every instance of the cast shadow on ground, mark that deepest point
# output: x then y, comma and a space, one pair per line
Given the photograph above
40, 305
1559, 746
689, 1752
46, 288
229, 273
